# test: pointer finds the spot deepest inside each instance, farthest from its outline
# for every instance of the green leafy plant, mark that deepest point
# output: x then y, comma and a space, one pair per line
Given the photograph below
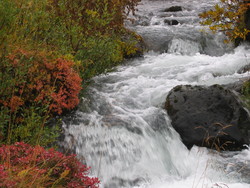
8, 17
94, 31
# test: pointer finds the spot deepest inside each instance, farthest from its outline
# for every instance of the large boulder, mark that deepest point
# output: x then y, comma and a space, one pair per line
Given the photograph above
208, 116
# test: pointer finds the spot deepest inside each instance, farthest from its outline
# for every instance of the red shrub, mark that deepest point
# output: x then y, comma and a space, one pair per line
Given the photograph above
68, 86
22, 164
15, 102
38, 78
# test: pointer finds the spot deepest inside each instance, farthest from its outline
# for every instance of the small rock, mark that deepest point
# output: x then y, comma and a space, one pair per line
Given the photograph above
244, 69
171, 22
173, 9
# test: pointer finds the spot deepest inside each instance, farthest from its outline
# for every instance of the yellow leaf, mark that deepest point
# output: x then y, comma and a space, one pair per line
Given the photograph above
22, 173
64, 174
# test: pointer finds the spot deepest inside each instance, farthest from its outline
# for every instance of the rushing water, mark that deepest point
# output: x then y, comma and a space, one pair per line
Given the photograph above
121, 128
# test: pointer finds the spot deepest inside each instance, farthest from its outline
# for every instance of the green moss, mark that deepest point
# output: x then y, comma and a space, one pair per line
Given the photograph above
178, 88
175, 100
246, 93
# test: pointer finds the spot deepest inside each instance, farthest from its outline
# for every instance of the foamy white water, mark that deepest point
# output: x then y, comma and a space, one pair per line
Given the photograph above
121, 128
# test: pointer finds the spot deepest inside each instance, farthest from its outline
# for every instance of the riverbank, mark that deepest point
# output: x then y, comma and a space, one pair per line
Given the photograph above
49, 50
122, 130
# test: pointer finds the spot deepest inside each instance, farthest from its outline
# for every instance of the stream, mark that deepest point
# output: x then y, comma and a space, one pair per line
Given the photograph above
121, 129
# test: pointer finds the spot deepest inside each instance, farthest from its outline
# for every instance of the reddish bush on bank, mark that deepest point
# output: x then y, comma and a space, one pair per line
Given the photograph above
23, 165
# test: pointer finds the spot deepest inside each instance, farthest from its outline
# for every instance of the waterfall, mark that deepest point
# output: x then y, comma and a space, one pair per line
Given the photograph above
121, 129
184, 47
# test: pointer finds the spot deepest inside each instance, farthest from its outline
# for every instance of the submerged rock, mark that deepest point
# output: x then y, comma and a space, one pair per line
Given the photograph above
208, 116
173, 9
244, 69
171, 22
119, 182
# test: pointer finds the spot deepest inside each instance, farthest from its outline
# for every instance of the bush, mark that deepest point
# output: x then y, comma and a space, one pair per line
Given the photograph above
33, 77
101, 54
90, 30
40, 82
35, 86
94, 31
229, 17
22, 165
7, 18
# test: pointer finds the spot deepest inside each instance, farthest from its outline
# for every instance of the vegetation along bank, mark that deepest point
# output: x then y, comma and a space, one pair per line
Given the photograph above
49, 50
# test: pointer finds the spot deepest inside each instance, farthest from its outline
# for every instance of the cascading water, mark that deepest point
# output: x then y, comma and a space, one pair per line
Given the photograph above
121, 129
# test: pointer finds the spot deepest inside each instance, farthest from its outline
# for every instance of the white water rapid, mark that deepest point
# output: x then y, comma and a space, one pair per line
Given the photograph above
121, 128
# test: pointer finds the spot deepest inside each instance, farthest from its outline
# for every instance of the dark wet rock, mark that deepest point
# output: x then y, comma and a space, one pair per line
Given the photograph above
171, 22
158, 41
116, 121
157, 23
119, 182
73, 119
244, 69
142, 20
151, 14
240, 169
173, 9
235, 167
208, 116
67, 147
157, 120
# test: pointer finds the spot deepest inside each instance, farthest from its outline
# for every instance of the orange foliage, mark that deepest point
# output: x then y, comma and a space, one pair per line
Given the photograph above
68, 86
15, 102
51, 82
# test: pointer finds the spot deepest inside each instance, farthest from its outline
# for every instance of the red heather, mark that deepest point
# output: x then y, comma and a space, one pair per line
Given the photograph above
24, 163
